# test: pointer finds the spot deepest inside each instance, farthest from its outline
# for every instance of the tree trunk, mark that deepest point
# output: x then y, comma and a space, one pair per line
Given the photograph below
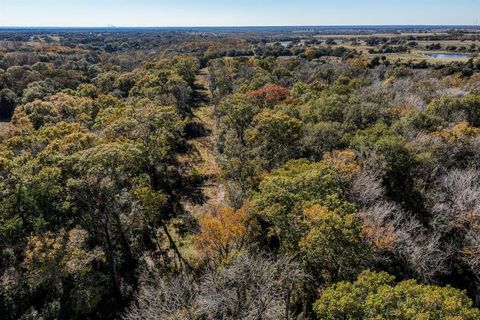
175, 248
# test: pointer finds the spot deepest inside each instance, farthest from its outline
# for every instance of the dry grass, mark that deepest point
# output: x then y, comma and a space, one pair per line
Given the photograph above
202, 78
204, 162
3, 127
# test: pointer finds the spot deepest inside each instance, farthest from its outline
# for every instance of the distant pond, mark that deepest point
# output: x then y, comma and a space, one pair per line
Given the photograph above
447, 55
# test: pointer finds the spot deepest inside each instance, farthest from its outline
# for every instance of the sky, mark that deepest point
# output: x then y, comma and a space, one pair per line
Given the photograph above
159, 13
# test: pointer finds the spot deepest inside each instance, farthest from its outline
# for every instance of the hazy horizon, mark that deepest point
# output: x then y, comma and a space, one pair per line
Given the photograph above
234, 26
247, 13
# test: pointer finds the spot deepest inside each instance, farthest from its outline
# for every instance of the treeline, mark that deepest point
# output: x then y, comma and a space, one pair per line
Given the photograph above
282, 51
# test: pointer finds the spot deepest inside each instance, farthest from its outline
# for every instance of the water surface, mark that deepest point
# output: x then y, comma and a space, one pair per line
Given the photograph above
447, 55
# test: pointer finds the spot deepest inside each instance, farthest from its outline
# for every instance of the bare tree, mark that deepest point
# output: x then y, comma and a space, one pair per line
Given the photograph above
402, 234
367, 189
471, 251
471, 257
456, 208
425, 254
169, 299
457, 202
253, 287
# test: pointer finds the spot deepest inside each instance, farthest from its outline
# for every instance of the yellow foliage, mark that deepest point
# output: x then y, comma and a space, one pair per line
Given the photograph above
399, 111
460, 132
316, 214
359, 62
382, 238
455, 80
224, 232
310, 53
344, 160
153, 203
390, 80
50, 256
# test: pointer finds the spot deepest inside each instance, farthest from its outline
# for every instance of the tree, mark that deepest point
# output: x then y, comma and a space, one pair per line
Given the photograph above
38, 90
457, 109
160, 298
220, 76
399, 163
299, 184
269, 95
375, 295
236, 115
252, 287
236, 160
55, 263
225, 233
456, 207
275, 137
322, 137
101, 191
182, 93
327, 107
332, 245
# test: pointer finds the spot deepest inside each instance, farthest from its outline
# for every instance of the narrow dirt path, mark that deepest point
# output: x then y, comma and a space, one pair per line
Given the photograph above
3, 127
203, 155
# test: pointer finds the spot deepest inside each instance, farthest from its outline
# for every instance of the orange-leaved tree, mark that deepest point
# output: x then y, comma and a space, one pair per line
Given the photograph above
224, 233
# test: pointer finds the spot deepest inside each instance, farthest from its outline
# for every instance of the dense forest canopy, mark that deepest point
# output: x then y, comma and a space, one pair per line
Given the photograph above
240, 173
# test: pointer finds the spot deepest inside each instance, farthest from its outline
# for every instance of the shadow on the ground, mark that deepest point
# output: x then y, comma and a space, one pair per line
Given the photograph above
195, 130
200, 95
197, 135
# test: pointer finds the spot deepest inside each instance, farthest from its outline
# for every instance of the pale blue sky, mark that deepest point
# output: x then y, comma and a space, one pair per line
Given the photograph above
147, 13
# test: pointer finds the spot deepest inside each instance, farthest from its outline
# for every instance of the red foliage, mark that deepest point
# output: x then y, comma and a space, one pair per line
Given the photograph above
270, 94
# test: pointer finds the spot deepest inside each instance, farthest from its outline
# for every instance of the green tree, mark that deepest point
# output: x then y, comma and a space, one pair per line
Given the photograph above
322, 137
236, 114
299, 184
376, 296
332, 245
398, 160
275, 137
457, 109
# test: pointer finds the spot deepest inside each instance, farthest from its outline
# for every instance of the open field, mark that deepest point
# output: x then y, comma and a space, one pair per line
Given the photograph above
405, 46
416, 53
382, 35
